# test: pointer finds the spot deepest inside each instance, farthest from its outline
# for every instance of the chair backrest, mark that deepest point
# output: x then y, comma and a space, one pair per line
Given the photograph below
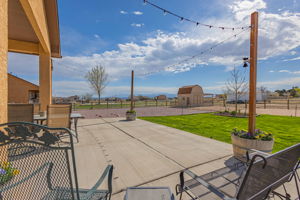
266, 174
20, 113
58, 115
37, 161
36, 109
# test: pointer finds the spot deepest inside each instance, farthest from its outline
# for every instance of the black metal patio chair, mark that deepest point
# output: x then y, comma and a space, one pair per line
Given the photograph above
255, 181
36, 164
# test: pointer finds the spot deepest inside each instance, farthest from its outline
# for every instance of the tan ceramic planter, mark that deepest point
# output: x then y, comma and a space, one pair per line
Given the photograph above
241, 145
130, 116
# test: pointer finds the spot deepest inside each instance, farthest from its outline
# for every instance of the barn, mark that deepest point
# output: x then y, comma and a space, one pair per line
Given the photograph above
191, 95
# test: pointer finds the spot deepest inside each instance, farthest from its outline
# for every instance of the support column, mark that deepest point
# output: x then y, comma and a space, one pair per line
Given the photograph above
3, 60
253, 71
45, 83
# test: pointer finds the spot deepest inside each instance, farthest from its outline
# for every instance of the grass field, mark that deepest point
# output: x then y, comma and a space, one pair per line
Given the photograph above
286, 130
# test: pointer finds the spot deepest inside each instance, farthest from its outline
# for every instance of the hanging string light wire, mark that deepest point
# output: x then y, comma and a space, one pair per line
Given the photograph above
165, 11
199, 54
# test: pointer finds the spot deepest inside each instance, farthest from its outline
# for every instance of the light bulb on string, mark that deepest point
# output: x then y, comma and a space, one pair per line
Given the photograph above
181, 19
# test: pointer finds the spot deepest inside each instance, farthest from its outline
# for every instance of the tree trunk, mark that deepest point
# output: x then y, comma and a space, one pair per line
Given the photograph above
236, 103
99, 97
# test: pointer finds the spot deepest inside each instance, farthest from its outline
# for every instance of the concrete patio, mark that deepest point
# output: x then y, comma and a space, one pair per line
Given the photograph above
143, 153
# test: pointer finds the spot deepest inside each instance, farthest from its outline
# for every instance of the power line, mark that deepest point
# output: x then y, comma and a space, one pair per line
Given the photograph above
197, 23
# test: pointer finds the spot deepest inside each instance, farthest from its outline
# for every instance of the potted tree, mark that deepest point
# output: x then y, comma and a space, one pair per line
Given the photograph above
242, 141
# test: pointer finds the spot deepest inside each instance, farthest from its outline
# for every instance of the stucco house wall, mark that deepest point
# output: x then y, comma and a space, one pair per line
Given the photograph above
19, 90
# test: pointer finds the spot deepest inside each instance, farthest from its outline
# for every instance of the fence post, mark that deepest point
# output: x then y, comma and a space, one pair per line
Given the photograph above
296, 111
288, 104
265, 104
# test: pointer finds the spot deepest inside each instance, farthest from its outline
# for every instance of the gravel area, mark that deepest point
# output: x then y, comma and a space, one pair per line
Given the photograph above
141, 112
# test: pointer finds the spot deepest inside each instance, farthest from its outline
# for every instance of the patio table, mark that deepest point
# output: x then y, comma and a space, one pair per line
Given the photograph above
149, 193
74, 117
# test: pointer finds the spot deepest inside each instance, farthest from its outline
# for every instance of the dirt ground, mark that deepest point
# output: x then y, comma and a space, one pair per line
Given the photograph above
167, 111
146, 111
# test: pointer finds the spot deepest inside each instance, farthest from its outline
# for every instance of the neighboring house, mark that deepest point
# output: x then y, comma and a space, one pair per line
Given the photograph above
191, 95
71, 99
22, 91
161, 97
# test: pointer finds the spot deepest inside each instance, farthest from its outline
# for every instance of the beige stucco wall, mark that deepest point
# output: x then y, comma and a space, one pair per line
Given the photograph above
3, 59
18, 90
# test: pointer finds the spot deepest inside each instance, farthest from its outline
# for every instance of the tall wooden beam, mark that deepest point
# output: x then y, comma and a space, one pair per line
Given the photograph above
23, 47
3, 59
45, 82
253, 72
35, 12
131, 94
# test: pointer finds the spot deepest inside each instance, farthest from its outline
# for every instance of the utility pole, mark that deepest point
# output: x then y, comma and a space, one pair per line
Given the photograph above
253, 72
131, 96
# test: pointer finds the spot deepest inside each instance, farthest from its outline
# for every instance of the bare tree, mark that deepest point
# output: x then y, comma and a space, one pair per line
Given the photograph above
98, 79
236, 85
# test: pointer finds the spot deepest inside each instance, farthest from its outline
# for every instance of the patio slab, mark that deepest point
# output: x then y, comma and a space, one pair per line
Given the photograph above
143, 153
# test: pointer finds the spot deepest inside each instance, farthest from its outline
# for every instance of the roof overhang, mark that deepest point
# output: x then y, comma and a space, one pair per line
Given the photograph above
23, 37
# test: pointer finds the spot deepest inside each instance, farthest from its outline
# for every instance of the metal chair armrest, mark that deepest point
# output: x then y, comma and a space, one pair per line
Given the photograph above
210, 187
48, 165
107, 172
252, 152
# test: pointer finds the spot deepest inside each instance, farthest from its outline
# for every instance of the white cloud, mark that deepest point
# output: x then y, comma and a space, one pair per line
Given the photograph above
243, 8
137, 13
290, 72
271, 71
137, 25
293, 53
96, 36
292, 59
123, 12
69, 88
284, 71
281, 83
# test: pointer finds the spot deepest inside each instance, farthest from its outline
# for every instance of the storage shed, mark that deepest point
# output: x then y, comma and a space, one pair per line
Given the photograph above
191, 95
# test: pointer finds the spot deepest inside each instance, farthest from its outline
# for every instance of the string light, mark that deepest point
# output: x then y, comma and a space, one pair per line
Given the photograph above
181, 19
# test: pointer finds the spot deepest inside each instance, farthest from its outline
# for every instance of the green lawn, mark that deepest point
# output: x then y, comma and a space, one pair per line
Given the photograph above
286, 130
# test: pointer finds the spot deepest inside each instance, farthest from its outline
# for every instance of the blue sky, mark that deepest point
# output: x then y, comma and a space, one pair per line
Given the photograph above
123, 35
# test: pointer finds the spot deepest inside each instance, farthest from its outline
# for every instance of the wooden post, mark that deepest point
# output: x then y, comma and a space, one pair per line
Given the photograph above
253, 72
288, 103
131, 96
